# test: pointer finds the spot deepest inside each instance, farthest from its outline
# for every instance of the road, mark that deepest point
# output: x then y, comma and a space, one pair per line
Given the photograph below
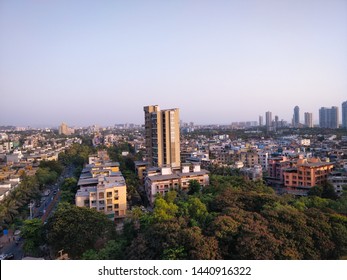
10, 246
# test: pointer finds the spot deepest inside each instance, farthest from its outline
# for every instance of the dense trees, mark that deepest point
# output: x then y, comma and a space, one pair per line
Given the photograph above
33, 235
233, 218
76, 155
68, 190
14, 208
77, 229
15, 205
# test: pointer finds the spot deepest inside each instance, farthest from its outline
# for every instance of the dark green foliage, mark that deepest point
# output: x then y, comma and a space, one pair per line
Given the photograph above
45, 176
52, 165
77, 229
239, 219
113, 250
32, 233
233, 218
76, 155
194, 187
325, 191
15, 205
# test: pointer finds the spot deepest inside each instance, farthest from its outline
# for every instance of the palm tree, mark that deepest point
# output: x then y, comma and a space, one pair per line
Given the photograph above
11, 210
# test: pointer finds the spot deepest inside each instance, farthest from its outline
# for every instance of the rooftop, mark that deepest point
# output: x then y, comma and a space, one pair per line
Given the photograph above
87, 181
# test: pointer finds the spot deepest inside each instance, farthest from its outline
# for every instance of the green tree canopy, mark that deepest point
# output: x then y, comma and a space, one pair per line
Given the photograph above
33, 235
76, 229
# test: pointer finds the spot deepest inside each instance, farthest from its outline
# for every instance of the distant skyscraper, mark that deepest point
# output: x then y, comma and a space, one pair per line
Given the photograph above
323, 117
308, 119
334, 117
261, 121
329, 117
276, 126
65, 130
344, 114
162, 132
268, 119
296, 117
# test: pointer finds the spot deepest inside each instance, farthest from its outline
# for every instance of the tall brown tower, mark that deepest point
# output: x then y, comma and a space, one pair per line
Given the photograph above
162, 133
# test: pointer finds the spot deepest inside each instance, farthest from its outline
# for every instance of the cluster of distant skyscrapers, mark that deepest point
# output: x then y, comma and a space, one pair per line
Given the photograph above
328, 118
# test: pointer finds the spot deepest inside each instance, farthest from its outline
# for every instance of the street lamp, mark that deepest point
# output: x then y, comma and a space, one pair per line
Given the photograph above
31, 204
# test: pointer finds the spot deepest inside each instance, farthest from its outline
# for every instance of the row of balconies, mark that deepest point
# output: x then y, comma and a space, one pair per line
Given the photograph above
101, 202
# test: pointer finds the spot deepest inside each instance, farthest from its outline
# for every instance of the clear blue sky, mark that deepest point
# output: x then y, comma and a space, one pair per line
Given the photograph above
99, 62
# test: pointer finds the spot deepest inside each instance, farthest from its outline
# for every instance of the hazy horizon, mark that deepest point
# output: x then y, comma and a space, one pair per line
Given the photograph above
91, 62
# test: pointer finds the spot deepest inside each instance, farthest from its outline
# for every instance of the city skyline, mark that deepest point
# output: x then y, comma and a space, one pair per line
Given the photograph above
88, 63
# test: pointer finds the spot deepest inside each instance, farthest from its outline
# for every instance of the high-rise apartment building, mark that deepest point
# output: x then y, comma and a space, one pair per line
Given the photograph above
334, 117
323, 117
296, 117
344, 114
268, 119
65, 130
162, 133
329, 117
308, 119
276, 123
261, 121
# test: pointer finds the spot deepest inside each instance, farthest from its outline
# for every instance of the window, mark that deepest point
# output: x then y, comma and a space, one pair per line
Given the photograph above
116, 206
109, 194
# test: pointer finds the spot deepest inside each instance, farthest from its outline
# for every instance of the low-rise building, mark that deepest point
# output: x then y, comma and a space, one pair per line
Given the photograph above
253, 173
307, 173
140, 169
338, 182
102, 187
165, 179
108, 196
